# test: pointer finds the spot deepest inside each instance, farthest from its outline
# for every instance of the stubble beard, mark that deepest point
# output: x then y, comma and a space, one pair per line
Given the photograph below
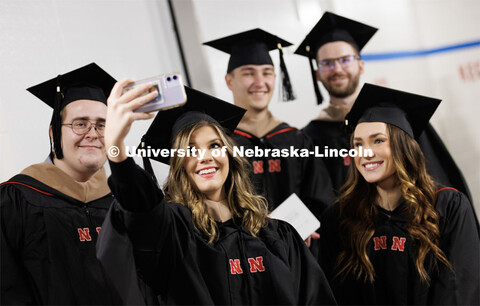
339, 93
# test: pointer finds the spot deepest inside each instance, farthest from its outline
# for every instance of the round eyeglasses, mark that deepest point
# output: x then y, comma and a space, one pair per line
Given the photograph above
329, 63
83, 126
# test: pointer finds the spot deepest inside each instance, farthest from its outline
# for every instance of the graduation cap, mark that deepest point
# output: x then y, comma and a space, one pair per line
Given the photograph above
89, 82
199, 107
331, 28
407, 111
252, 48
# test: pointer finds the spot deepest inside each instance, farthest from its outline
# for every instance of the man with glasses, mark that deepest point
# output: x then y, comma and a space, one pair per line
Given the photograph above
335, 44
52, 212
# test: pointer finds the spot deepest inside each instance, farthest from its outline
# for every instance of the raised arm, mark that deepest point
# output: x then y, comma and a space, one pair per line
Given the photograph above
131, 239
121, 115
133, 188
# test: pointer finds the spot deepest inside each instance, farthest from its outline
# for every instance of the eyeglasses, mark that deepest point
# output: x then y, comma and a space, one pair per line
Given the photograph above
83, 126
329, 63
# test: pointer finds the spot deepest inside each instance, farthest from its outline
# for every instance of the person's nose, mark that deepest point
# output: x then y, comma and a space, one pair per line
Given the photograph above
259, 79
367, 152
207, 157
337, 67
92, 132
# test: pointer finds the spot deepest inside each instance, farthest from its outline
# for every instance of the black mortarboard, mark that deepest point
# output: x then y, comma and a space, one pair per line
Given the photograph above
89, 82
199, 107
252, 48
330, 28
407, 111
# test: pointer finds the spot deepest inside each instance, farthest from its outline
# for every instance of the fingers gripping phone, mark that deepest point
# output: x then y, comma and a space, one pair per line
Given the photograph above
171, 92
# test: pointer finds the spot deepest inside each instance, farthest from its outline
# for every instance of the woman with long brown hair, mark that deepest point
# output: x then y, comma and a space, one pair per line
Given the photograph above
209, 239
394, 237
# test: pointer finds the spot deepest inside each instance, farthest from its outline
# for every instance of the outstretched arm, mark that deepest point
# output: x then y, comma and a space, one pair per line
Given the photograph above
133, 188
133, 232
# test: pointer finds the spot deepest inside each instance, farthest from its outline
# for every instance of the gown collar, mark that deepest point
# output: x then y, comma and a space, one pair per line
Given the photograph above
49, 174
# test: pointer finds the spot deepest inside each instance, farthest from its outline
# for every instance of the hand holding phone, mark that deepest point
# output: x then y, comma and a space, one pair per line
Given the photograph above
171, 92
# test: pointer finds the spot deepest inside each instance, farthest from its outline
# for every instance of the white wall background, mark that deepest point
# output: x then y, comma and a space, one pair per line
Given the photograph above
134, 38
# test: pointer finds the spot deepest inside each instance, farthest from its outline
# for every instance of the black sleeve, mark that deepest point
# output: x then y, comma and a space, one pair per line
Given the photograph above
15, 288
461, 244
133, 187
139, 236
139, 209
328, 241
317, 189
330, 246
312, 285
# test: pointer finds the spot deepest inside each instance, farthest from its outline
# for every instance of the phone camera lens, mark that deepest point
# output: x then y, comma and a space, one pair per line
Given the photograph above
174, 77
169, 79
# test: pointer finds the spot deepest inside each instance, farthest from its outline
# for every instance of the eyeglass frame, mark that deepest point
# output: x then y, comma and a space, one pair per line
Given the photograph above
91, 124
345, 63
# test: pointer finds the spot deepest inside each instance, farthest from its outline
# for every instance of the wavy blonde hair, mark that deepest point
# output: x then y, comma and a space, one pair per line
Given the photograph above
358, 214
244, 204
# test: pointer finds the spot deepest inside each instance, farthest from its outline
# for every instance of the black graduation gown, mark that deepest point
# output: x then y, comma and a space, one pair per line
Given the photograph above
175, 260
278, 177
48, 242
440, 164
332, 135
392, 253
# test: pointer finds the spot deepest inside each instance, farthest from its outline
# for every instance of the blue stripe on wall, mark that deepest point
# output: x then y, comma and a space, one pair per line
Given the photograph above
418, 53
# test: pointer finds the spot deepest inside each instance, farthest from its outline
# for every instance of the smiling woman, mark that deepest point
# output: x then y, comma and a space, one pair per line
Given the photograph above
211, 178
209, 233
379, 167
391, 238
208, 174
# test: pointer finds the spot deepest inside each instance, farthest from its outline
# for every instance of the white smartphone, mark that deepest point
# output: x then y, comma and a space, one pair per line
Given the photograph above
171, 92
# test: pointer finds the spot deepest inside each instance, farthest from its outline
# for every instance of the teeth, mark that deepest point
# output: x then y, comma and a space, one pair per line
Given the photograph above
207, 171
370, 166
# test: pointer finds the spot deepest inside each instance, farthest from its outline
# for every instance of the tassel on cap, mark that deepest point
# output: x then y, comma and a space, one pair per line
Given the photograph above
318, 94
57, 122
287, 90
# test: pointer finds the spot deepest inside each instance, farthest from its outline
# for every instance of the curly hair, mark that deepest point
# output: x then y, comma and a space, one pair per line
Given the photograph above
358, 214
243, 203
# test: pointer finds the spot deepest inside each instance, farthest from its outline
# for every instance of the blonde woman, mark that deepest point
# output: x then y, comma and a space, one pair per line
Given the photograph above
394, 237
208, 240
